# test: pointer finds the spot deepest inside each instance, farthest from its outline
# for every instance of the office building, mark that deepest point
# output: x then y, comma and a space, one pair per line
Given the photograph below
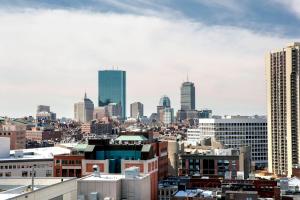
235, 132
224, 163
187, 96
113, 110
99, 113
136, 110
205, 113
165, 113
282, 74
44, 115
83, 111
112, 88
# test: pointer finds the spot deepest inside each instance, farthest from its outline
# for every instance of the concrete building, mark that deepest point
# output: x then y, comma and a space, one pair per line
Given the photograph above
174, 149
136, 110
44, 115
19, 163
225, 163
16, 133
99, 113
130, 185
165, 113
235, 132
112, 89
187, 96
114, 110
282, 74
83, 111
44, 188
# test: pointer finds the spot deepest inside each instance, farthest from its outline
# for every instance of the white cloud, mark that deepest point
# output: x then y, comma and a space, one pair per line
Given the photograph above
292, 5
52, 57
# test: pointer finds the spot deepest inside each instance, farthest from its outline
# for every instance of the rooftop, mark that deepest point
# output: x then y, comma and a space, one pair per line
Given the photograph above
13, 187
35, 154
131, 138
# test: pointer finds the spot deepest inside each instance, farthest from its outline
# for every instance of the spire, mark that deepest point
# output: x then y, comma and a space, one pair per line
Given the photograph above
85, 97
187, 77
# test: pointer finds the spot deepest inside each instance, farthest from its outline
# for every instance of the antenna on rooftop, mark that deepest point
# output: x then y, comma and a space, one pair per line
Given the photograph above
187, 77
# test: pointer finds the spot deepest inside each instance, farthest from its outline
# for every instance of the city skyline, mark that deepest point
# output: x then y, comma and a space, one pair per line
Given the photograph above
158, 58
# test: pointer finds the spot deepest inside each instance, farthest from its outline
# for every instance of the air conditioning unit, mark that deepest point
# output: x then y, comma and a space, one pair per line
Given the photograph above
93, 196
107, 198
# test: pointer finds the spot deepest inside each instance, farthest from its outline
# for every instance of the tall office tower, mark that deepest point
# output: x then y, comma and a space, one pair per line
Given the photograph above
187, 96
43, 108
112, 88
136, 110
83, 111
282, 73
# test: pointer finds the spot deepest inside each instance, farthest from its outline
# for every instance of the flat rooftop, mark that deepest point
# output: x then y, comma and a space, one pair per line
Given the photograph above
13, 187
34, 154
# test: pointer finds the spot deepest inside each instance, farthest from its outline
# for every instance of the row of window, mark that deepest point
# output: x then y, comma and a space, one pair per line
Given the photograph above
24, 166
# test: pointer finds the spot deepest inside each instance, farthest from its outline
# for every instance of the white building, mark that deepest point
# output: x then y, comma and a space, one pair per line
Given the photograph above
44, 188
235, 132
19, 163
131, 185
83, 111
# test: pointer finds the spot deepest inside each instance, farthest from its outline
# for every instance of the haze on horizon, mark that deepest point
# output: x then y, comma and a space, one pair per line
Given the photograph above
50, 52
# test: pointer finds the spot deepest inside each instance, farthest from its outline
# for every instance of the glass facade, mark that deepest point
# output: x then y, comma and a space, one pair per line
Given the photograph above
112, 88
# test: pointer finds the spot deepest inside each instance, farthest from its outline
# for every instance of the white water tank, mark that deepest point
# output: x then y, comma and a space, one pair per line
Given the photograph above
4, 147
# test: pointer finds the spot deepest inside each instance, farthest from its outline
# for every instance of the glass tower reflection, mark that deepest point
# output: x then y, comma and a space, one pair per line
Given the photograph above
112, 88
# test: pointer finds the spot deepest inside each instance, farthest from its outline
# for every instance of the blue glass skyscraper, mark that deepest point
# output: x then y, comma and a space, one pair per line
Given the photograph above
112, 88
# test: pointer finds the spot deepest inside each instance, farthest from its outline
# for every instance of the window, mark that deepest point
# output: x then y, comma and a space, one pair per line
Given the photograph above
7, 174
24, 173
1, 174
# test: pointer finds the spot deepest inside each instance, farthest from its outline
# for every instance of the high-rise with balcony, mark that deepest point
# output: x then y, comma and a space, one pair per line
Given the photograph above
282, 73
112, 88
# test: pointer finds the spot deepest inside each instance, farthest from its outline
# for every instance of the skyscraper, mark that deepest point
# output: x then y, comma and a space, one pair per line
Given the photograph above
187, 99
164, 111
83, 111
282, 73
112, 88
136, 110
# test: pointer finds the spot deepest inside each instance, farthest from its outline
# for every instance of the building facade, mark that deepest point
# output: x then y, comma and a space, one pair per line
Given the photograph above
112, 88
187, 96
282, 74
236, 133
83, 111
225, 163
136, 110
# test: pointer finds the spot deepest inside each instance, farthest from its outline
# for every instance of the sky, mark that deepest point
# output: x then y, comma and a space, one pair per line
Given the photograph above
50, 51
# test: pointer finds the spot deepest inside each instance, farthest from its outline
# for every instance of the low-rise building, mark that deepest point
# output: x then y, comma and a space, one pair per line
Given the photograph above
225, 163
130, 185
19, 163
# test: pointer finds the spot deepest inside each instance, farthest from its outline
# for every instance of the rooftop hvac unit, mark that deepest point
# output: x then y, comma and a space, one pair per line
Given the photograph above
81, 197
93, 196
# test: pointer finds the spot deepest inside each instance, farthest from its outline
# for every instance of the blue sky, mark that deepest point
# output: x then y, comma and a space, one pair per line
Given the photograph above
51, 50
281, 17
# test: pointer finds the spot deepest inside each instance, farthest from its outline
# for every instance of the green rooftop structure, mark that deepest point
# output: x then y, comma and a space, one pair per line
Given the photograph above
132, 138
